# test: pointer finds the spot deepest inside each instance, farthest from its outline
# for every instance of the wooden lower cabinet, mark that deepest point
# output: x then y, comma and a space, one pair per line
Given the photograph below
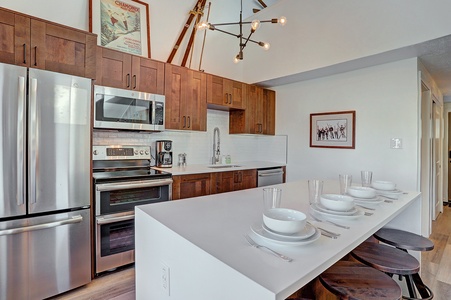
223, 182
196, 185
187, 186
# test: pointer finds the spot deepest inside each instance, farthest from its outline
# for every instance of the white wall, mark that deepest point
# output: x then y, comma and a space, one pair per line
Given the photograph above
386, 103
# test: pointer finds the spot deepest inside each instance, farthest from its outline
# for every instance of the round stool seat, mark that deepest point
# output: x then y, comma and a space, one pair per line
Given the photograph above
404, 239
353, 280
386, 259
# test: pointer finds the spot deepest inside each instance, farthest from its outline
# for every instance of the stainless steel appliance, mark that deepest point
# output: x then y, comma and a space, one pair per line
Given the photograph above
123, 179
164, 154
128, 110
44, 183
269, 176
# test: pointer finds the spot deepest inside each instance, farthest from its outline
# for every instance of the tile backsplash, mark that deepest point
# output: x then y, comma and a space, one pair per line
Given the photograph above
199, 145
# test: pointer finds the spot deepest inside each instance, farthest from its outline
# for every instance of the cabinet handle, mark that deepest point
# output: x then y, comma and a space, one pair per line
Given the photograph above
127, 79
24, 53
184, 121
134, 80
189, 122
35, 55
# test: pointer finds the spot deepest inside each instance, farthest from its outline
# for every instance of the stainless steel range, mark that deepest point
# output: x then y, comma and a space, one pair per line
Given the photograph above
123, 179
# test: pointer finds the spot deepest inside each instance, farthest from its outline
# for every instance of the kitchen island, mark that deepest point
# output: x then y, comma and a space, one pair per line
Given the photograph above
195, 248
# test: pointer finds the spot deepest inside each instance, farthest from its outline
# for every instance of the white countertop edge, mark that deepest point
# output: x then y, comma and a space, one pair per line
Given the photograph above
199, 169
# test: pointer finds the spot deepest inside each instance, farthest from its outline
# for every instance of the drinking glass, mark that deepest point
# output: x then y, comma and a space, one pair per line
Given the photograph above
315, 189
271, 198
345, 182
366, 178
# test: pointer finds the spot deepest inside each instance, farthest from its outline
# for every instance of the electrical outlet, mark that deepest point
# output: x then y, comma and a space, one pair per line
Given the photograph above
165, 278
396, 143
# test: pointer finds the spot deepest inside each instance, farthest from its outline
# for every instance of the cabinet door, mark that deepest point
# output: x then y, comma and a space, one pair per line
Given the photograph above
237, 91
187, 186
269, 112
254, 110
224, 181
195, 104
216, 91
61, 49
14, 38
249, 179
147, 75
113, 68
175, 91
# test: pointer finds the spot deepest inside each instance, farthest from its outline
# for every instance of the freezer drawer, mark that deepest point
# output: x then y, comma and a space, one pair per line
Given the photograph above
44, 256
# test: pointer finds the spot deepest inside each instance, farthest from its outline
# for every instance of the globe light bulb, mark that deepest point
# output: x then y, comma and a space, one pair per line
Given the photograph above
236, 59
266, 46
282, 21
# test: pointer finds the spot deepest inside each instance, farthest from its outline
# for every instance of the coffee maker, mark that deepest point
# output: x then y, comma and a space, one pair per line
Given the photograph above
163, 154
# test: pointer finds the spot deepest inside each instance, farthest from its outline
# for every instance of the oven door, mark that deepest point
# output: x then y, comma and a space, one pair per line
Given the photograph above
122, 196
115, 241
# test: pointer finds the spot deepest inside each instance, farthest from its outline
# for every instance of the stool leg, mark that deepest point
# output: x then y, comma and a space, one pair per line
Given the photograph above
411, 286
424, 291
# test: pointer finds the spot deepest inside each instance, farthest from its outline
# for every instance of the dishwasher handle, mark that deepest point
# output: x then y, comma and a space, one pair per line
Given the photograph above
266, 174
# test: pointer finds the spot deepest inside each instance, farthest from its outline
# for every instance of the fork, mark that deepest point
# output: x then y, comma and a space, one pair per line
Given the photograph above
254, 244
330, 222
368, 214
365, 207
325, 232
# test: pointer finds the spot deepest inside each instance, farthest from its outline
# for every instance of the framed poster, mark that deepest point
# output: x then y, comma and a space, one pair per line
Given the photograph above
121, 25
333, 130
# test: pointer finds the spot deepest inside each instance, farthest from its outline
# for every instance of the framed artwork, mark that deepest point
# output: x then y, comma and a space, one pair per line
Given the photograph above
121, 25
333, 130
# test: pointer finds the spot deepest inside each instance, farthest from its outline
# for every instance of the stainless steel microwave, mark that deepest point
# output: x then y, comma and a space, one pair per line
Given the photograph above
129, 110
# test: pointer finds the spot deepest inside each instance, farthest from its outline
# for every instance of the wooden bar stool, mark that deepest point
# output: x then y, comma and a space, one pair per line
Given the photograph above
353, 280
404, 240
393, 262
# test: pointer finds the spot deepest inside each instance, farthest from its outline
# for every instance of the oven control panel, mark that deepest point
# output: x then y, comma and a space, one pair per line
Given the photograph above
117, 152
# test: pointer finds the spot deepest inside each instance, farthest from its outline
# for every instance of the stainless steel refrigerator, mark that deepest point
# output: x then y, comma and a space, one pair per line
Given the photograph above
44, 182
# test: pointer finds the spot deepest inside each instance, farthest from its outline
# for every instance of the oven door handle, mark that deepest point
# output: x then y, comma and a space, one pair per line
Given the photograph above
103, 221
104, 187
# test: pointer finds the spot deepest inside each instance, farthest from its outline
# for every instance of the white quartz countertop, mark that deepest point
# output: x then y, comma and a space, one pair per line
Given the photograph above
197, 169
202, 242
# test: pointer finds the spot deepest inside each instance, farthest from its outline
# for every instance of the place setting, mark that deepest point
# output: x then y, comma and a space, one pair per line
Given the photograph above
337, 206
283, 226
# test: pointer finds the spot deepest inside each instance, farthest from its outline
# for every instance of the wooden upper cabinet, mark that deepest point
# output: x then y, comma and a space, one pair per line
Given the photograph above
147, 75
186, 99
126, 71
269, 112
259, 116
225, 92
36, 43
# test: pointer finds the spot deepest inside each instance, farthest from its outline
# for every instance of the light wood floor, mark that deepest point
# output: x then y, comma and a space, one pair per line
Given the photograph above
435, 271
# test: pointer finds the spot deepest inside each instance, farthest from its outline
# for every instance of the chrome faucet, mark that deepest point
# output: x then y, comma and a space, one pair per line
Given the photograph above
216, 148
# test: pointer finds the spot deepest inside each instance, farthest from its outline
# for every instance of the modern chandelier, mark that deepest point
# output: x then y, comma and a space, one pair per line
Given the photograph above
254, 25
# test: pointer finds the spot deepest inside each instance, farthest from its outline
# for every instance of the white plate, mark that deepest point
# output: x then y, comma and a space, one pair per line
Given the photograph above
305, 233
377, 200
258, 230
366, 199
390, 194
320, 207
358, 214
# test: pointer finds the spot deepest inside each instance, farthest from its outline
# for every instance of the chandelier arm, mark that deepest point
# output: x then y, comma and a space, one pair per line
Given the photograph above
226, 32
247, 22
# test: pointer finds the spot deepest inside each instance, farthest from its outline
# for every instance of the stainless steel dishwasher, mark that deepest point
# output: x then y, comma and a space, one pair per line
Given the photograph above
269, 176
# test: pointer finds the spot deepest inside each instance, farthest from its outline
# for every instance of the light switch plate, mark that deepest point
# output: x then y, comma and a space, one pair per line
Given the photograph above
396, 143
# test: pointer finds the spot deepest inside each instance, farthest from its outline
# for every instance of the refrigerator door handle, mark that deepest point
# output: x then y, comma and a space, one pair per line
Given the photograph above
33, 138
20, 142
72, 220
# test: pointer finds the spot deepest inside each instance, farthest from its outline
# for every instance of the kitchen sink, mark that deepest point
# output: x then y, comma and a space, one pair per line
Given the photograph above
223, 166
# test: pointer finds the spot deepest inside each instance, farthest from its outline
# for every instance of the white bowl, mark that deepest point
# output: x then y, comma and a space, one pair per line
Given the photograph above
383, 185
284, 220
361, 192
337, 202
